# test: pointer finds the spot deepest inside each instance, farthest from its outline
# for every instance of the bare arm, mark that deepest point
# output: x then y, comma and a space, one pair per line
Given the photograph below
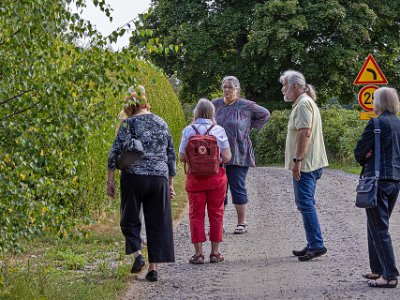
226, 155
182, 157
302, 146
110, 183
171, 187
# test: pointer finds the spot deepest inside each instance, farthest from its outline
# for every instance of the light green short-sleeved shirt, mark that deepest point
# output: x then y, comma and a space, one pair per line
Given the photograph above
305, 114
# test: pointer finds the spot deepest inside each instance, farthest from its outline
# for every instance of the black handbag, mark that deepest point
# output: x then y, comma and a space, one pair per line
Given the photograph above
132, 149
367, 188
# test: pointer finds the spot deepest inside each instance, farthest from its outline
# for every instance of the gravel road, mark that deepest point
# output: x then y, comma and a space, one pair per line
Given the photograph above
259, 264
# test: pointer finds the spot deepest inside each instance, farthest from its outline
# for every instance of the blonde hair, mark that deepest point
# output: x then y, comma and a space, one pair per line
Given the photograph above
136, 100
386, 99
294, 77
204, 109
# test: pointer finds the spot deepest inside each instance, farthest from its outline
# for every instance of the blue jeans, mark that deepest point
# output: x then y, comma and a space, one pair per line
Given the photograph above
381, 255
237, 184
304, 191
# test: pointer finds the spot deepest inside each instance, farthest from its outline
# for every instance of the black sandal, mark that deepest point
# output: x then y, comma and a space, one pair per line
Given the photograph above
240, 228
375, 284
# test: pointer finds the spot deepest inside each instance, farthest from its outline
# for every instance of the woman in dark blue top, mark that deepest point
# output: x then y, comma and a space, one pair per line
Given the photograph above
381, 256
147, 182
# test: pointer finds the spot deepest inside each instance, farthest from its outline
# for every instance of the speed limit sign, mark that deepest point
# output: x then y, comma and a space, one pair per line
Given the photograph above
366, 97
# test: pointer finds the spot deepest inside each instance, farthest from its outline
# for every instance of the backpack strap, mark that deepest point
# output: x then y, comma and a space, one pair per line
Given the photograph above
195, 129
207, 131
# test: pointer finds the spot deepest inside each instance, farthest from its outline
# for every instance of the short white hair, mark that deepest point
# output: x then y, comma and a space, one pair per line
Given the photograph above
234, 81
386, 99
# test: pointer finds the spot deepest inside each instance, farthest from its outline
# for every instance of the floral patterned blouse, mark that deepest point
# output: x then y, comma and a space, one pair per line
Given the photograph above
237, 119
159, 158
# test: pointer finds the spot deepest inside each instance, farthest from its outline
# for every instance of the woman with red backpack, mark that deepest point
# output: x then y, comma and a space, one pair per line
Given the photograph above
205, 148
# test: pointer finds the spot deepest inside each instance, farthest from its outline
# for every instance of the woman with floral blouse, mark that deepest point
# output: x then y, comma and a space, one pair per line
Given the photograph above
237, 116
147, 182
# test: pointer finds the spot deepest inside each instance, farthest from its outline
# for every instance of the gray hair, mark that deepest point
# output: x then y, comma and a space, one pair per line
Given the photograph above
294, 77
204, 109
234, 81
386, 99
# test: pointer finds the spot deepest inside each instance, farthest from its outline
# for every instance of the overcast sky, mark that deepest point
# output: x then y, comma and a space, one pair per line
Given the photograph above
123, 11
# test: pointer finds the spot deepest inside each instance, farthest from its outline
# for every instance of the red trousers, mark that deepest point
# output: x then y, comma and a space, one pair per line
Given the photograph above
207, 191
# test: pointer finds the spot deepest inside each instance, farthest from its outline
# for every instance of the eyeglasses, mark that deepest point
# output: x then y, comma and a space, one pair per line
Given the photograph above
228, 87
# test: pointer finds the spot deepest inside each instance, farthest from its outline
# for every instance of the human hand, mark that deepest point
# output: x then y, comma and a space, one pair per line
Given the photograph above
369, 154
172, 193
296, 171
111, 189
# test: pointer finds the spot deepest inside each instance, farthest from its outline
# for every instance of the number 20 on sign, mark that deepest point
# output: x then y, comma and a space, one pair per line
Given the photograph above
366, 97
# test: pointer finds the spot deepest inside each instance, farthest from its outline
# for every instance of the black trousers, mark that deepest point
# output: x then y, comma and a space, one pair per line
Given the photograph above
153, 193
380, 248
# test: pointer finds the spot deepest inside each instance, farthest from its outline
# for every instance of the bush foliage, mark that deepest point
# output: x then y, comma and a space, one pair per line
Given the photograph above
164, 103
56, 98
53, 168
49, 91
341, 128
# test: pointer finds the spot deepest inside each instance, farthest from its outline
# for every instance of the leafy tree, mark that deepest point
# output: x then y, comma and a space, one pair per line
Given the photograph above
211, 34
256, 40
52, 95
326, 40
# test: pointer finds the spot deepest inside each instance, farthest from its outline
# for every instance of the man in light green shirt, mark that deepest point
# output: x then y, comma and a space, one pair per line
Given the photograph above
305, 116
305, 156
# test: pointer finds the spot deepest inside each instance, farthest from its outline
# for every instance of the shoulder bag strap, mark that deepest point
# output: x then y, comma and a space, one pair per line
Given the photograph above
131, 124
377, 151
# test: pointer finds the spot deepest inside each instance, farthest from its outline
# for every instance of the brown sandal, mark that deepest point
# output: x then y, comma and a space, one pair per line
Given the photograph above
197, 259
214, 258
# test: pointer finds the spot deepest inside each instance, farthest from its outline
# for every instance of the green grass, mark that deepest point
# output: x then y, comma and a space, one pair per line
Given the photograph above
91, 268
352, 169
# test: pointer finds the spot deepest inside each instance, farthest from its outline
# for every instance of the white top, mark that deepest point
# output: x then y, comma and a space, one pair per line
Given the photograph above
202, 125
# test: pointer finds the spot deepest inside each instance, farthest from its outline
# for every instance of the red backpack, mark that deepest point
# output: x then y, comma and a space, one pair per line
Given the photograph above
202, 153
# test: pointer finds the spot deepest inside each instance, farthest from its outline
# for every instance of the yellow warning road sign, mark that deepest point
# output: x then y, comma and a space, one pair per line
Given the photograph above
366, 97
366, 115
370, 73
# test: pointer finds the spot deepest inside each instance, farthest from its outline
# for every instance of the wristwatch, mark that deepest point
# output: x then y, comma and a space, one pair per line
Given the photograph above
295, 160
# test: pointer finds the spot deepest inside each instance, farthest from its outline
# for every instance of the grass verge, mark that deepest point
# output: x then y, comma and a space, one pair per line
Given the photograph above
352, 169
90, 268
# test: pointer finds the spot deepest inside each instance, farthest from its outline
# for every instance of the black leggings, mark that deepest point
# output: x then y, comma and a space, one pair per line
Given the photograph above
153, 193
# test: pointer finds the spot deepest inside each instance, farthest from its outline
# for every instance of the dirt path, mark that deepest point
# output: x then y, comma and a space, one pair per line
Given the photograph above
259, 264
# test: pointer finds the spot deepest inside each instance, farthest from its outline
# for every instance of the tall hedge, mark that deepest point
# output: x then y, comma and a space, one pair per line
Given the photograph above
163, 101
341, 128
56, 105
53, 159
